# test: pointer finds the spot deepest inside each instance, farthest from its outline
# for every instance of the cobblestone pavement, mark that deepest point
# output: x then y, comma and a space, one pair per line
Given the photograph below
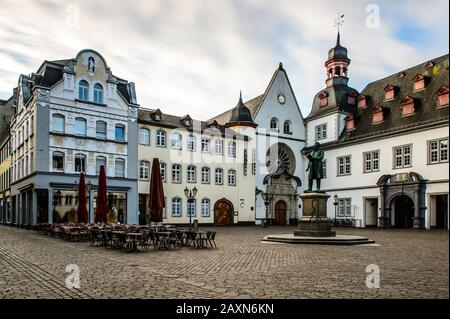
413, 264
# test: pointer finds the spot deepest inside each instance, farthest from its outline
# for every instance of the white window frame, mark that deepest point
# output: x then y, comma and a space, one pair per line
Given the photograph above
321, 132
402, 156
218, 147
344, 209
231, 177
232, 148
176, 207
191, 174
206, 175
63, 161
144, 170
192, 207
97, 166
176, 173
218, 176
176, 141
116, 166
346, 163
439, 151
161, 137
163, 171
144, 136
206, 145
371, 161
206, 207
191, 143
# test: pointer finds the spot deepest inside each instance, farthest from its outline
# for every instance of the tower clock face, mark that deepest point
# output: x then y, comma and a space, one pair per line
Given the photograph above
281, 99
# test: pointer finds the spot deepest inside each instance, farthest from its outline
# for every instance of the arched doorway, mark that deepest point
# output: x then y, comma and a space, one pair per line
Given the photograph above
280, 212
403, 211
223, 212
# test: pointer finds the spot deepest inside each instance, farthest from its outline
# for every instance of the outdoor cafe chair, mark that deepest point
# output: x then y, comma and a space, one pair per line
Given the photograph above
210, 238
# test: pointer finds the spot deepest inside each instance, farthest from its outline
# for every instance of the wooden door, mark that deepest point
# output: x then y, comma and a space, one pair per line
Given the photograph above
223, 213
280, 213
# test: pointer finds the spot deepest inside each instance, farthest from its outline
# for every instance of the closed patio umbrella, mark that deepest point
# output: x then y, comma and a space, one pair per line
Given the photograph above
82, 212
102, 206
156, 202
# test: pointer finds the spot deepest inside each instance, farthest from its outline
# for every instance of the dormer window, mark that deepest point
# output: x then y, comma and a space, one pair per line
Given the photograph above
442, 99
157, 115
187, 120
389, 92
407, 106
419, 82
350, 122
323, 99
378, 114
401, 75
362, 101
351, 98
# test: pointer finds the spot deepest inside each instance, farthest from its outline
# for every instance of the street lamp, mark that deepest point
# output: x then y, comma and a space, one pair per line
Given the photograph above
335, 203
267, 201
190, 195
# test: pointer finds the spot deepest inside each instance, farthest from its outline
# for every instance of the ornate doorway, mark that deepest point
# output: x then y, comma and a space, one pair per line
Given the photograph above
403, 210
280, 212
223, 212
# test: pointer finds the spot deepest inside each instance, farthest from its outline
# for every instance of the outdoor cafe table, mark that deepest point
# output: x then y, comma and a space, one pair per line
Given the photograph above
134, 239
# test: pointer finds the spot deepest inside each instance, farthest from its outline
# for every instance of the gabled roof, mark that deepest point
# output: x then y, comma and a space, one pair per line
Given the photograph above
255, 104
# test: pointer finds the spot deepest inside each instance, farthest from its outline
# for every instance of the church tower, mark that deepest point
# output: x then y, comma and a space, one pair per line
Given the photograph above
337, 64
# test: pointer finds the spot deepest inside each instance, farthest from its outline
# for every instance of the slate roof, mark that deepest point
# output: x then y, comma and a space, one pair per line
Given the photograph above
145, 116
425, 101
253, 106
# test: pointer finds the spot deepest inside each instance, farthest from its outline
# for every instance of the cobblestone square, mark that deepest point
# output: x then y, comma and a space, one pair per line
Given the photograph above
413, 264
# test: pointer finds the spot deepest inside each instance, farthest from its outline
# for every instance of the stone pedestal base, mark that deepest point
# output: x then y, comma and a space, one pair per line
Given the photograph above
314, 222
315, 227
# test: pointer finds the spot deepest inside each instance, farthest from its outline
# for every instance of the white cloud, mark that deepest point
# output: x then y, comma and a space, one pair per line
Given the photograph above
193, 56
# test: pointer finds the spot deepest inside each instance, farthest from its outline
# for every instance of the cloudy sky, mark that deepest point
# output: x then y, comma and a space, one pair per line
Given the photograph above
193, 56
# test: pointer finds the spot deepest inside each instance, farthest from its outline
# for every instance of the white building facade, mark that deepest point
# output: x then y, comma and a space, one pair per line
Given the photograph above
386, 148
73, 116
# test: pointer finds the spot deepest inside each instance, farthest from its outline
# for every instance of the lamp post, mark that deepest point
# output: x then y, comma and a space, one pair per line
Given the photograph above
190, 195
335, 203
267, 201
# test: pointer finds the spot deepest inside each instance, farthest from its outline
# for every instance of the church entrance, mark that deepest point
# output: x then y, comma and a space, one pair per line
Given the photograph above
223, 212
403, 211
280, 213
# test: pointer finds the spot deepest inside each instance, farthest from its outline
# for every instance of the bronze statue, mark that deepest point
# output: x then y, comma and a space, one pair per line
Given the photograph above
315, 167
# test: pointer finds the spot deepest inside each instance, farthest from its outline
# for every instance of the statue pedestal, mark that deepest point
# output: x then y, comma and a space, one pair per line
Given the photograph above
314, 222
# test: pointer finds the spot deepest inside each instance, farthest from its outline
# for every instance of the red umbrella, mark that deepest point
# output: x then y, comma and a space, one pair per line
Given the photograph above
156, 202
82, 212
102, 206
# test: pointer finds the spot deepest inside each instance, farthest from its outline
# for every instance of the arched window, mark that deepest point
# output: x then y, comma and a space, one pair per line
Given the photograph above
176, 173
274, 124
287, 127
99, 161
337, 71
144, 136
232, 177
162, 167
192, 207
176, 207
100, 130
205, 175
58, 161
58, 123
219, 176
80, 126
120, 167
218, 147
80, 163
83, 90
120, 132
206, 207
144, 170
98, 93
161, 138
191, 172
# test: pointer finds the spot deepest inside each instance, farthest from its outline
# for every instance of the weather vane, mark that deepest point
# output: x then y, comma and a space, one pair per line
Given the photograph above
339, 21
